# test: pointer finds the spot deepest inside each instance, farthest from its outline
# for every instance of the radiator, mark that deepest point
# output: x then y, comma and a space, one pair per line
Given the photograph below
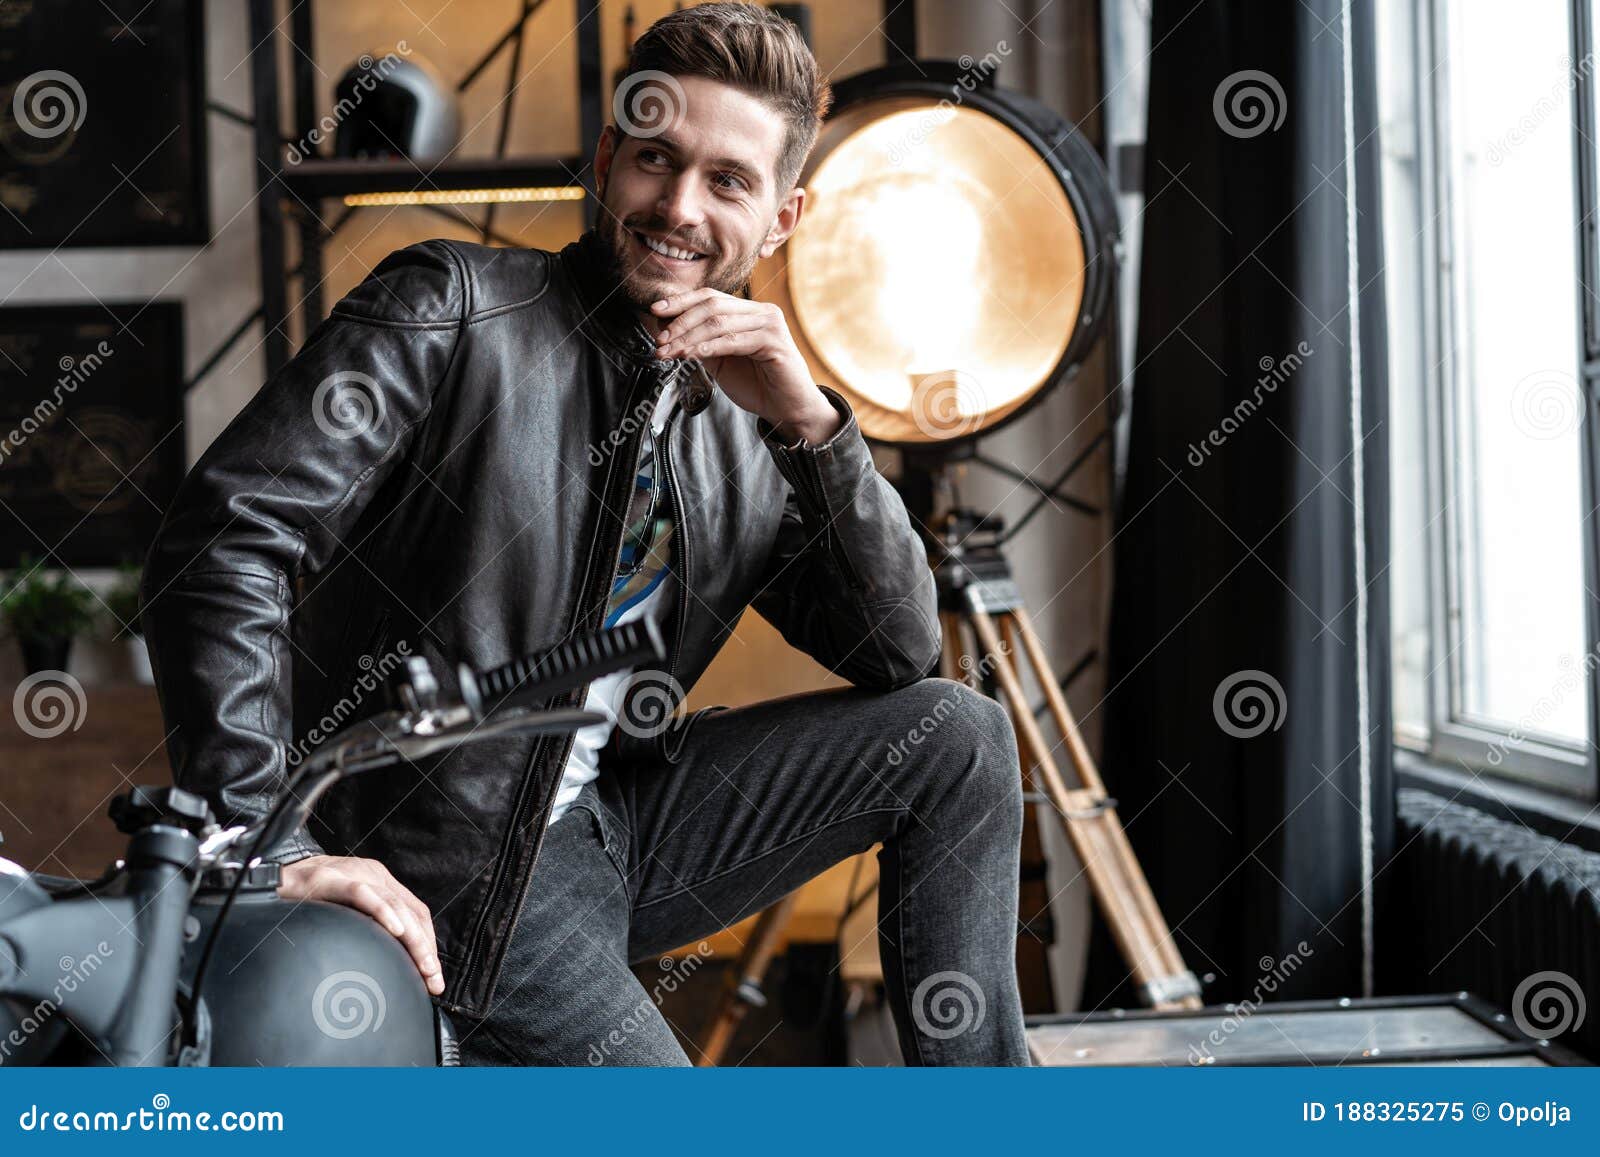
1486, 906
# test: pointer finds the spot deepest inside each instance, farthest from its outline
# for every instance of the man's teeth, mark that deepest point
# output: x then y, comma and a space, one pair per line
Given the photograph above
668, 250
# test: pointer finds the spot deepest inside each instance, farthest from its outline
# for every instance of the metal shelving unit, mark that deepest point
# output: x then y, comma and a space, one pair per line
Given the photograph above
291, 196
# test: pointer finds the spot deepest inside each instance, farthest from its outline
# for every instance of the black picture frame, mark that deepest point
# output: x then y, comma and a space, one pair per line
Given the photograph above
92, 444
108, 144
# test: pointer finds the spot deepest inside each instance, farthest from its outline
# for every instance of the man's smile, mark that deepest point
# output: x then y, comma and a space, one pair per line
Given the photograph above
663, 253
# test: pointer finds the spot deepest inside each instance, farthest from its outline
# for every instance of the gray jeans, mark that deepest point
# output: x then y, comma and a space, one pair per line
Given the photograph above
761, 799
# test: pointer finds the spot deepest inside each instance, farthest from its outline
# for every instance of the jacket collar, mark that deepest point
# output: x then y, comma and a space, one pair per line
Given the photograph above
608, 315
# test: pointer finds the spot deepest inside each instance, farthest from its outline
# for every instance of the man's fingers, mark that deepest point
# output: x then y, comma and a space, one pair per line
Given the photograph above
696, 342
404, 924
743, 344
732, 310
424, 922
418, 934
368, 887
678, 302
408, 898
363, 897
418, 940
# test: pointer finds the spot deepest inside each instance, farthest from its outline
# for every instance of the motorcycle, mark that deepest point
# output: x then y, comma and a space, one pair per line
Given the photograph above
183, 954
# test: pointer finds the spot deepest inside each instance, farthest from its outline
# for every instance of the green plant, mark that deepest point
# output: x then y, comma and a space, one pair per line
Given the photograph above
122, 603
36, 607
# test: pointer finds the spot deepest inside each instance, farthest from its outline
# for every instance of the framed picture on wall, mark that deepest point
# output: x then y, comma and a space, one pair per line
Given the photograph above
91, 429
102, 123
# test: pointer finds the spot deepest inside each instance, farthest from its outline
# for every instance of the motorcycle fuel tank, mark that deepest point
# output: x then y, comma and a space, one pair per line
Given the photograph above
303, 982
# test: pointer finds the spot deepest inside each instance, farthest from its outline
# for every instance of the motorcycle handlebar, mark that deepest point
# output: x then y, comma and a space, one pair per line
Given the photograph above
563, 667
488, 697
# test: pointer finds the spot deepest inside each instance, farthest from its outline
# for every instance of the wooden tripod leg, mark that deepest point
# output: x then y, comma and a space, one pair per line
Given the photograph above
1089, 776
1089, 824
954, 650
1082, 763
742, 989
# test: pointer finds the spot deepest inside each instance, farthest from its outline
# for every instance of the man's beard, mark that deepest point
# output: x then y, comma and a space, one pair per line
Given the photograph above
726, 273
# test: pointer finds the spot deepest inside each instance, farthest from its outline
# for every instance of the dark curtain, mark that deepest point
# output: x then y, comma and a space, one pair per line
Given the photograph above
1251, 548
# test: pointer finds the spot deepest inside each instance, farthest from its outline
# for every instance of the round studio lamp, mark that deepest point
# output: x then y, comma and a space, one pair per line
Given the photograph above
956, 258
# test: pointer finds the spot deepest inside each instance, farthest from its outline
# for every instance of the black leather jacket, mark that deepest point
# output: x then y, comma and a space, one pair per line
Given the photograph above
476, 515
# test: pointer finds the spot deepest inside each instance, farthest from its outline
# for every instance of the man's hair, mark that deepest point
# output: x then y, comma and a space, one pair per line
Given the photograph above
750, 48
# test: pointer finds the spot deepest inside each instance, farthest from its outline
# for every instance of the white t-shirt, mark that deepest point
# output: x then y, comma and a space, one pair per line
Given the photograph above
647, 588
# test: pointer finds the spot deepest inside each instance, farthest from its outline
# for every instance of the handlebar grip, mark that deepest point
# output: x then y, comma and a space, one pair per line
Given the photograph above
536, 677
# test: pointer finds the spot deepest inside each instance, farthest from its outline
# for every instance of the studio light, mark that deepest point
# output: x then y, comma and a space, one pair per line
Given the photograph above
955, 259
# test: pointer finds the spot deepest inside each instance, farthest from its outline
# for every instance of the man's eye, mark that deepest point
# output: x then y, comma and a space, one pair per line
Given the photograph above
652, 157
732, 181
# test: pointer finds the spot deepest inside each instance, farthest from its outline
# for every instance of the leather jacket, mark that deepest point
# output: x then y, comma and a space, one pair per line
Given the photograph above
473, 511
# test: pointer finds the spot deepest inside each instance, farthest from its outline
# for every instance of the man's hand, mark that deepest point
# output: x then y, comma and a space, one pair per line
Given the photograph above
367, 886
748, 349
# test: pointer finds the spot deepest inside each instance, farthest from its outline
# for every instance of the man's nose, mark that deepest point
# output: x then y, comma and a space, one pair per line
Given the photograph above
679, 205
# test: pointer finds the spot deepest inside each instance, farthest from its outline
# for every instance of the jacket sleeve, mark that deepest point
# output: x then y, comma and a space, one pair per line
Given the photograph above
272, 496
848, 579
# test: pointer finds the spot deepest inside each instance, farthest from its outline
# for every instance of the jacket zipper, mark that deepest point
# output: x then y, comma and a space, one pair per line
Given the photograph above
680, 532
498, 887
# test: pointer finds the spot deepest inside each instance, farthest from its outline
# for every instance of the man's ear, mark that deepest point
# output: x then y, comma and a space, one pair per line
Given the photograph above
788, 218
605, 151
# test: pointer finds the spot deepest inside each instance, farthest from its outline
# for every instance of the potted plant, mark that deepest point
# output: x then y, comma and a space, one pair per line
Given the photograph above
44, 614
122, 611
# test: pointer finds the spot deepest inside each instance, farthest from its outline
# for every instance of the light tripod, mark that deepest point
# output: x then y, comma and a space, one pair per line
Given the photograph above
986, 630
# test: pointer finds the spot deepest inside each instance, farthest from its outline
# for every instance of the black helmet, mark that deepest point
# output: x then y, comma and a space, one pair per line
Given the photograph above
395, 105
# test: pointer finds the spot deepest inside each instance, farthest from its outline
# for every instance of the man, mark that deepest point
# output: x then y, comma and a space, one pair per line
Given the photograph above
482, 451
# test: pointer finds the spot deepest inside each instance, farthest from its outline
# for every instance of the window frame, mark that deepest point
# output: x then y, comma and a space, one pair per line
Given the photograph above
1452, 737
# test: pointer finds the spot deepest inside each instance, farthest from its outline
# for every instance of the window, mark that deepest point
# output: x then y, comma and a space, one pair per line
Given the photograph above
1486, 174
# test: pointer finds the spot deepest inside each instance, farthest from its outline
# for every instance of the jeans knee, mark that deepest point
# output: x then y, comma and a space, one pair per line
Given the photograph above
969, 733
994, 758
992, 723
